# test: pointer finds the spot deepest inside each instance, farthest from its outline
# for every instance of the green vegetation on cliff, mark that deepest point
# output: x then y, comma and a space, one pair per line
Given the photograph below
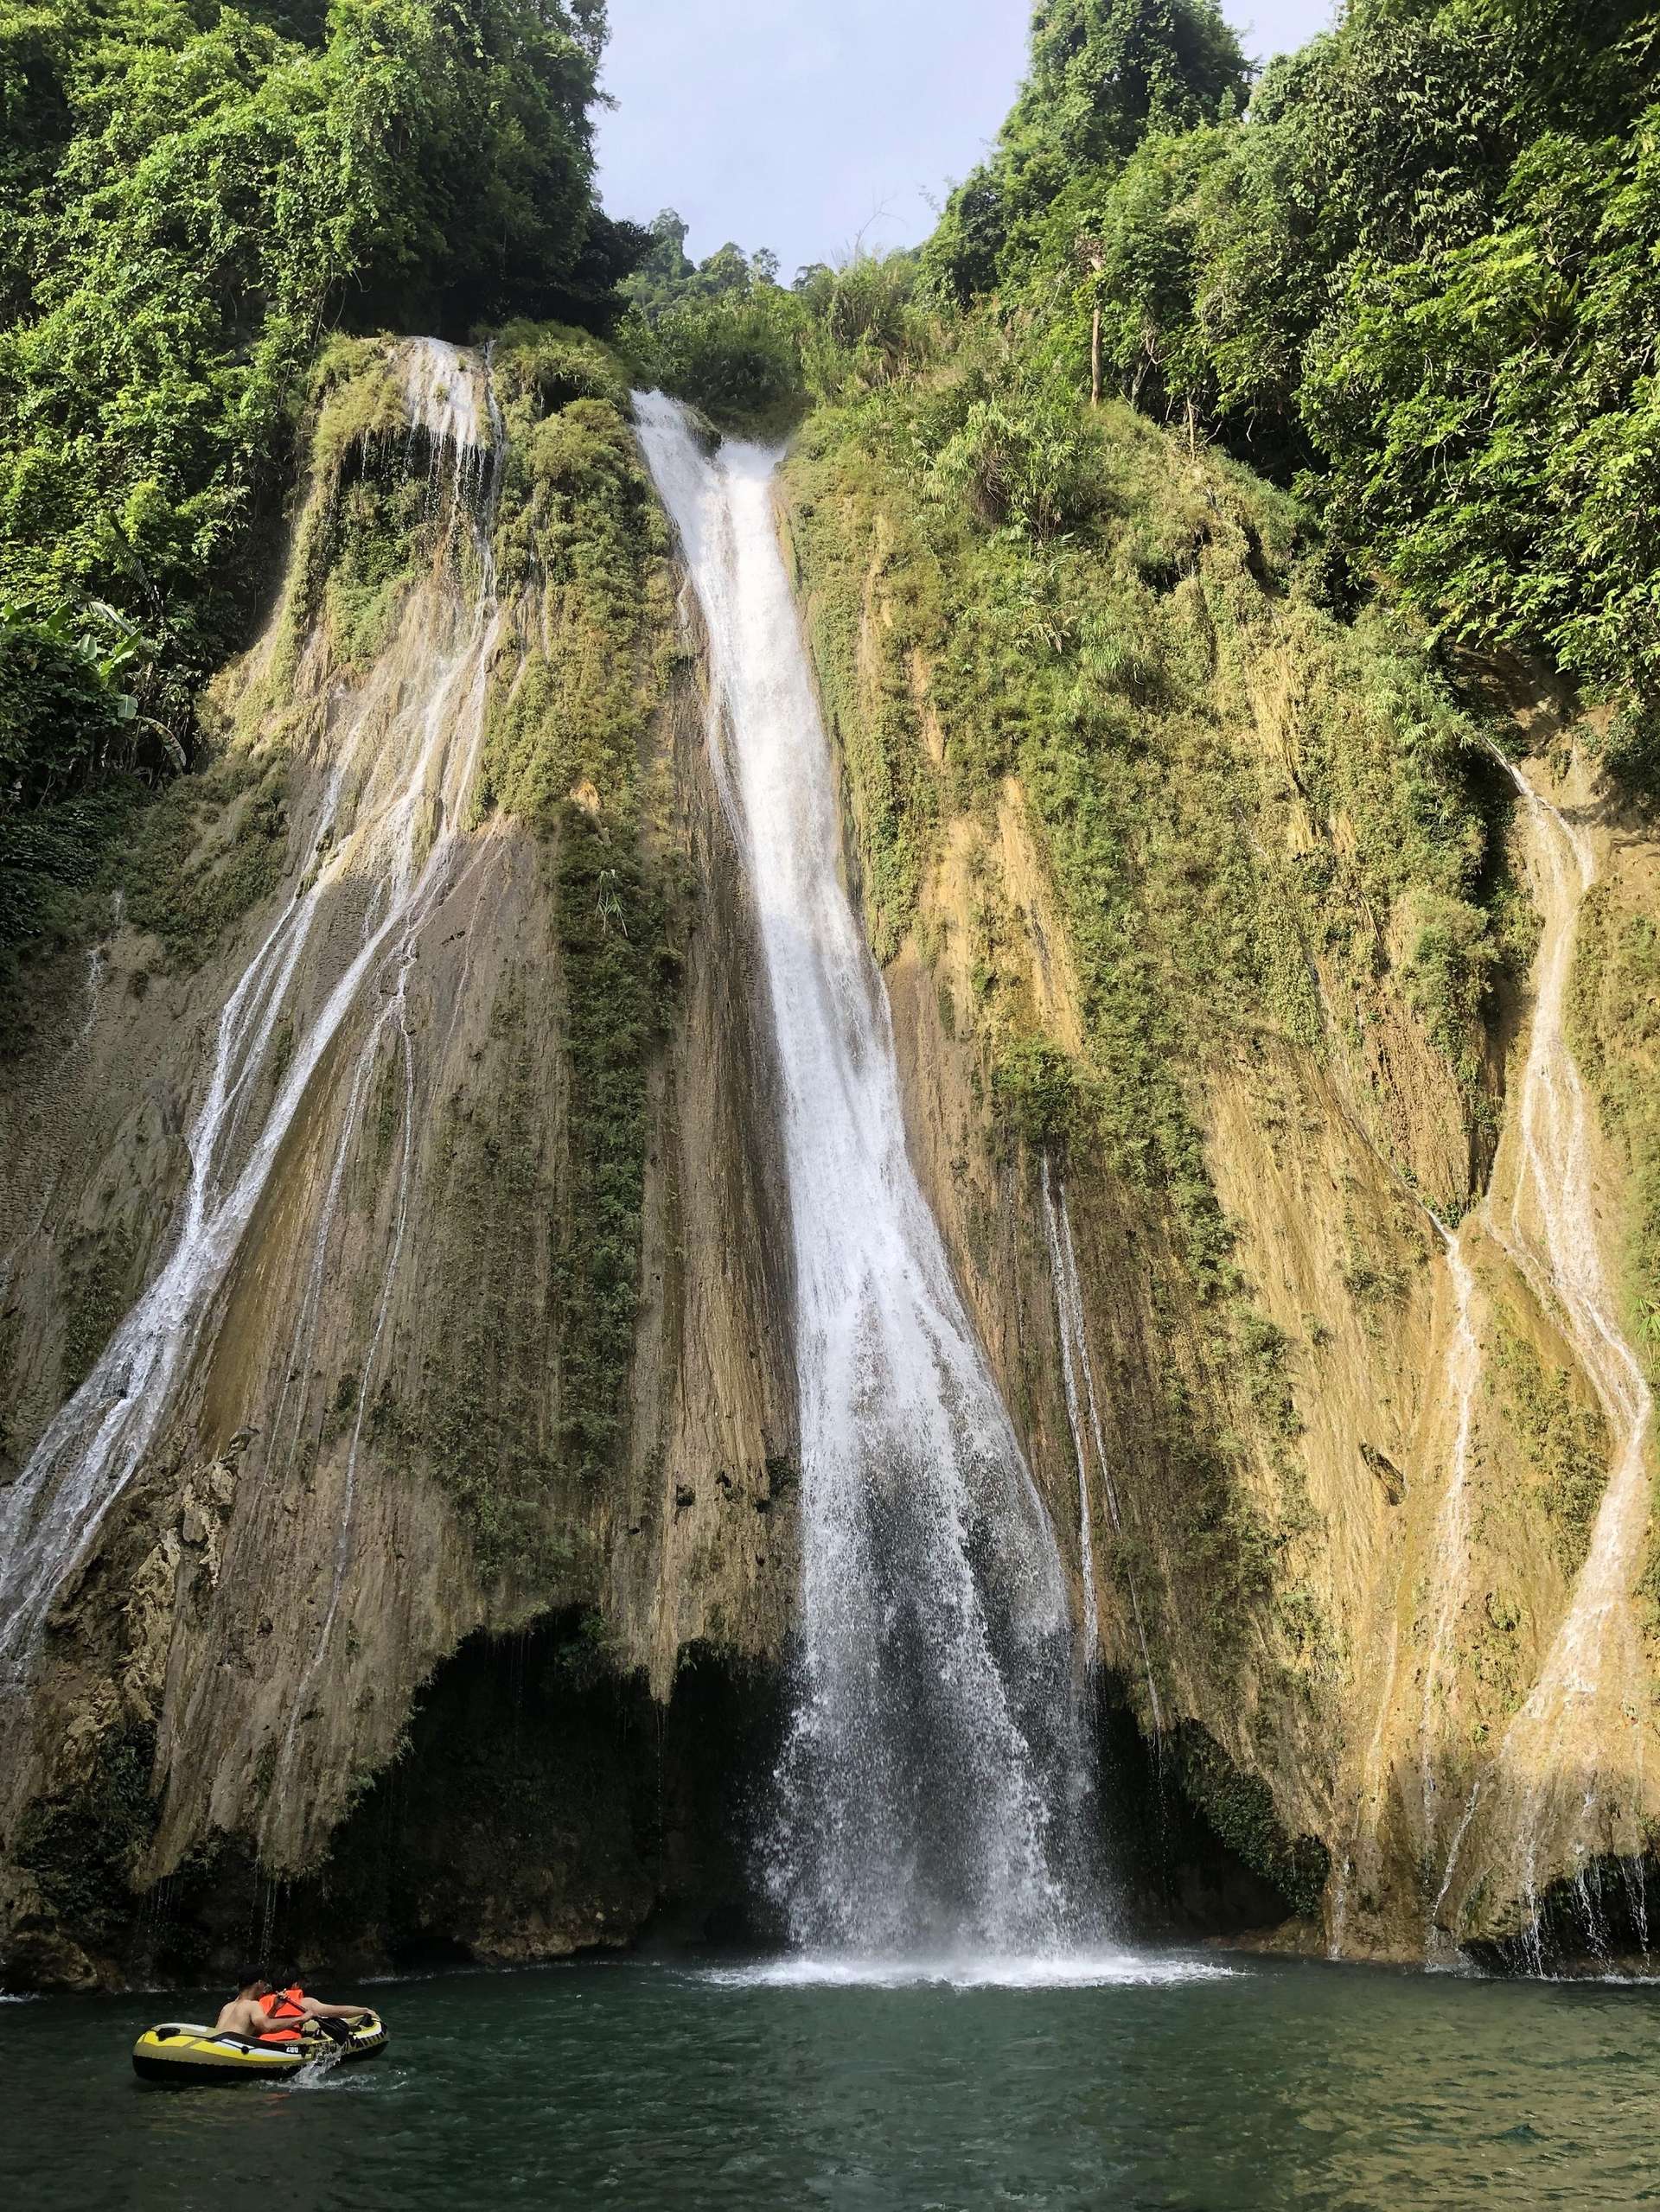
1408, 272
1242, 797
190, 197
1615, 1017
540, 1162
568, 747
1082, 532
1415, 273
1563, 1437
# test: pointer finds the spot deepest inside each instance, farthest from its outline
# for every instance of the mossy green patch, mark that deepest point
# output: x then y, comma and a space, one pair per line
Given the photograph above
581, 534
1614, 1028
483, 1425
580, 550
99, 1284
1564, 1440
1243, 804
618, 970
1239, 1809
82, 1847
209, 849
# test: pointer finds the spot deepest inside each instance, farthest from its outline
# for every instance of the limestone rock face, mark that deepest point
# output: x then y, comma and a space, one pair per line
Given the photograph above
504, 1337
1369, 1520
445, 1593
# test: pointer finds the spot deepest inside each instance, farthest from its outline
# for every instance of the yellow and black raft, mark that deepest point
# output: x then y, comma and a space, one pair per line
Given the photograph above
182, 2055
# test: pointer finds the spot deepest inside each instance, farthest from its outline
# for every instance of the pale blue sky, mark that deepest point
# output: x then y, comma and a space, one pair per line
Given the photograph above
802, 124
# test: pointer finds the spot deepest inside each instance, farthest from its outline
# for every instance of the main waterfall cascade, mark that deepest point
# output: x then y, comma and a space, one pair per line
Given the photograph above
384, 851
935, 1786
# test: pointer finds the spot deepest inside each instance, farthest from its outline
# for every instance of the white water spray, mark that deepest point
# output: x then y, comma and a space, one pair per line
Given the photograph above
935, 1770
390, 834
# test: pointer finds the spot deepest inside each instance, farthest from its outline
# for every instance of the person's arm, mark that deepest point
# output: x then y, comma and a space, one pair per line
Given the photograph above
314, 2011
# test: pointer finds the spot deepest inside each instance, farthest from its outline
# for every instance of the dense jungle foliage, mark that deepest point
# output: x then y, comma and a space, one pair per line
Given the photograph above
1406, 273
1415, 273
190, 196
1409, 271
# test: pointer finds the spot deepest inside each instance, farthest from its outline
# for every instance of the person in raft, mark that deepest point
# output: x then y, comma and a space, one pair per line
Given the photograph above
261, 2014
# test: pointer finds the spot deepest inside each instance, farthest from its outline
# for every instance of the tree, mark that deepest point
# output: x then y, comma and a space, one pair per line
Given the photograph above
1102, 74
190, 197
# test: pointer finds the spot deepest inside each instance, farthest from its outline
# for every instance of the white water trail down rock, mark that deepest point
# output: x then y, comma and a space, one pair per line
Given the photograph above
1450, 1545
1076, 1368
390, 831
1068, 1312
935, 1785
1547, 1779
1449, 1551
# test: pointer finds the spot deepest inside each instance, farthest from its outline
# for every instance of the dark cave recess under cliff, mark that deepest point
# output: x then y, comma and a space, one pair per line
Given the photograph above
543, 1805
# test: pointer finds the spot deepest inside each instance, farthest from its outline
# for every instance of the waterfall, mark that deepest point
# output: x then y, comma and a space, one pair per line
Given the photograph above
387, 845
1552, 1236
1540, 1803
1543, 1211
933, 1786
1549, 1232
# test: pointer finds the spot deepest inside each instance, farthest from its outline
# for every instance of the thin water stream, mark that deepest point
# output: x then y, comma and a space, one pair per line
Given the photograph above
1536, 1807
387, 840
1078, 1377
1555, 1786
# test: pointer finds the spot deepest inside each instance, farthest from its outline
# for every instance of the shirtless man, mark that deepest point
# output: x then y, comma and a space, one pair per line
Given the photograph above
257, 2010
244, 2015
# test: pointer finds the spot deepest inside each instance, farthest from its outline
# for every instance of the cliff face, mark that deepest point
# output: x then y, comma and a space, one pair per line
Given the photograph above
1224, 977
399, 1474
488, 1321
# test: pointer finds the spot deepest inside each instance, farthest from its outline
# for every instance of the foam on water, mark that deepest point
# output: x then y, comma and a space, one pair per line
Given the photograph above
1110, 1968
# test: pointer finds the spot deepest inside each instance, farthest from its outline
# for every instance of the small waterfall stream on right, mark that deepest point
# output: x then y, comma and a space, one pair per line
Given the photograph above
1556, 1795
935, 1794
1552, 1800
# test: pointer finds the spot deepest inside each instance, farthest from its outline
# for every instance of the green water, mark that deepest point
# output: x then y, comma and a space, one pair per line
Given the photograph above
637, 2085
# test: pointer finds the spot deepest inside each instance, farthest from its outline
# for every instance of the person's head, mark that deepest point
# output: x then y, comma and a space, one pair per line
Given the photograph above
251, 1981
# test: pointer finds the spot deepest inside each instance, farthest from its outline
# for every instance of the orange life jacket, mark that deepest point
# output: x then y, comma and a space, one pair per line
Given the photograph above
283, 2005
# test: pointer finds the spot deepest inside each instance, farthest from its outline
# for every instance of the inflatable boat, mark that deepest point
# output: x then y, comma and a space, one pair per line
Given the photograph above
183, 2056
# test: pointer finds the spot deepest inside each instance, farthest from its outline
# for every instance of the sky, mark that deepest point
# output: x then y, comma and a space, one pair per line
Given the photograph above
811, 127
